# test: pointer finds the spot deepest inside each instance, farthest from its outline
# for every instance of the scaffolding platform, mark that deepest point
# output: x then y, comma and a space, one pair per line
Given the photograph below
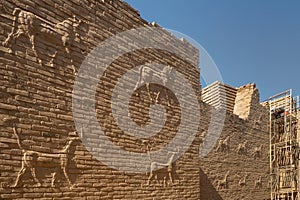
284, 146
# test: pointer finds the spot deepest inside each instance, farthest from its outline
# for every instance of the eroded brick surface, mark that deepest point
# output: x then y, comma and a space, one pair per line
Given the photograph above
37, 126
36, 84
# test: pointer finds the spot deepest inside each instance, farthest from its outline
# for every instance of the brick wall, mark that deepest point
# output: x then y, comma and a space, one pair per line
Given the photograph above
36, 99
238, 162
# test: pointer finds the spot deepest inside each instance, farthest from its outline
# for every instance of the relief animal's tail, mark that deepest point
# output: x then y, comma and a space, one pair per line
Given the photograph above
18, 139
16, 13
148, 152
140, 75
140, 78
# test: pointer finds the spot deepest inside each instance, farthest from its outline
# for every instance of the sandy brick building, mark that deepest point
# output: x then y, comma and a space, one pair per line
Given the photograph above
43, 45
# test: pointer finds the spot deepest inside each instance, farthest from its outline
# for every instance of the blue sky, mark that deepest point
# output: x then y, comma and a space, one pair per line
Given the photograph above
250, 41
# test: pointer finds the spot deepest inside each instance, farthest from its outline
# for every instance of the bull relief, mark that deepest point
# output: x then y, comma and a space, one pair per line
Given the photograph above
223, 183
258, 183
162, 172
58, 162
32, 26
243, 181
223, 145
242, 149
257, 153
147, 73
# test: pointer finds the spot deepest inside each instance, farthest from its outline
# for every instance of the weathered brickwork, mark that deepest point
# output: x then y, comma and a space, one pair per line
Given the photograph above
238, 167
43, 43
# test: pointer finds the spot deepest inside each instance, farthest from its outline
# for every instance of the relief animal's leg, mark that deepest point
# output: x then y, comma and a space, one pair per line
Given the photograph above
33, 173
219, 146
18, 34
54, 179
11, 36
53, 58
71, 60
165, 181
7, 42
65, 171
156, 179
148, 91
222, 147
167, 97
11, 39
20, 175
140, 82
157, 97
137, 85
150, 178
170, 177
67, 49
32, 40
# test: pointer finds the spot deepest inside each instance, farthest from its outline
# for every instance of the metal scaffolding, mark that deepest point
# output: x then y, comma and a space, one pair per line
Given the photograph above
284, 147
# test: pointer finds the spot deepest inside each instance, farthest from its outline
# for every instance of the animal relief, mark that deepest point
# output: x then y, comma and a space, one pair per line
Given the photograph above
223, 183
161, 171
32, 26
57, 161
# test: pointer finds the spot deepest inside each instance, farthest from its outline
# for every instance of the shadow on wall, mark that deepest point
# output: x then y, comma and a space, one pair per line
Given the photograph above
207, 190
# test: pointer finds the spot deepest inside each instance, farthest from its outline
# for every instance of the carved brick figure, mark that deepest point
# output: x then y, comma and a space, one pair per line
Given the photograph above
147, 73
258, 183
163, 170
243, 181
28, 24
223, 183
223, 145
33, 159
242, 148
257, 153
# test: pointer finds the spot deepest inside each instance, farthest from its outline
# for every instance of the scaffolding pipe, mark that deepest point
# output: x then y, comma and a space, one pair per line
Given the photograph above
284, 146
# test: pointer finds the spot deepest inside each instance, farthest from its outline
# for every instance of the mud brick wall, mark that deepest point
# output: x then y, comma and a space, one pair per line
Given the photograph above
230, 158
246, 101
298, 125
36, 86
